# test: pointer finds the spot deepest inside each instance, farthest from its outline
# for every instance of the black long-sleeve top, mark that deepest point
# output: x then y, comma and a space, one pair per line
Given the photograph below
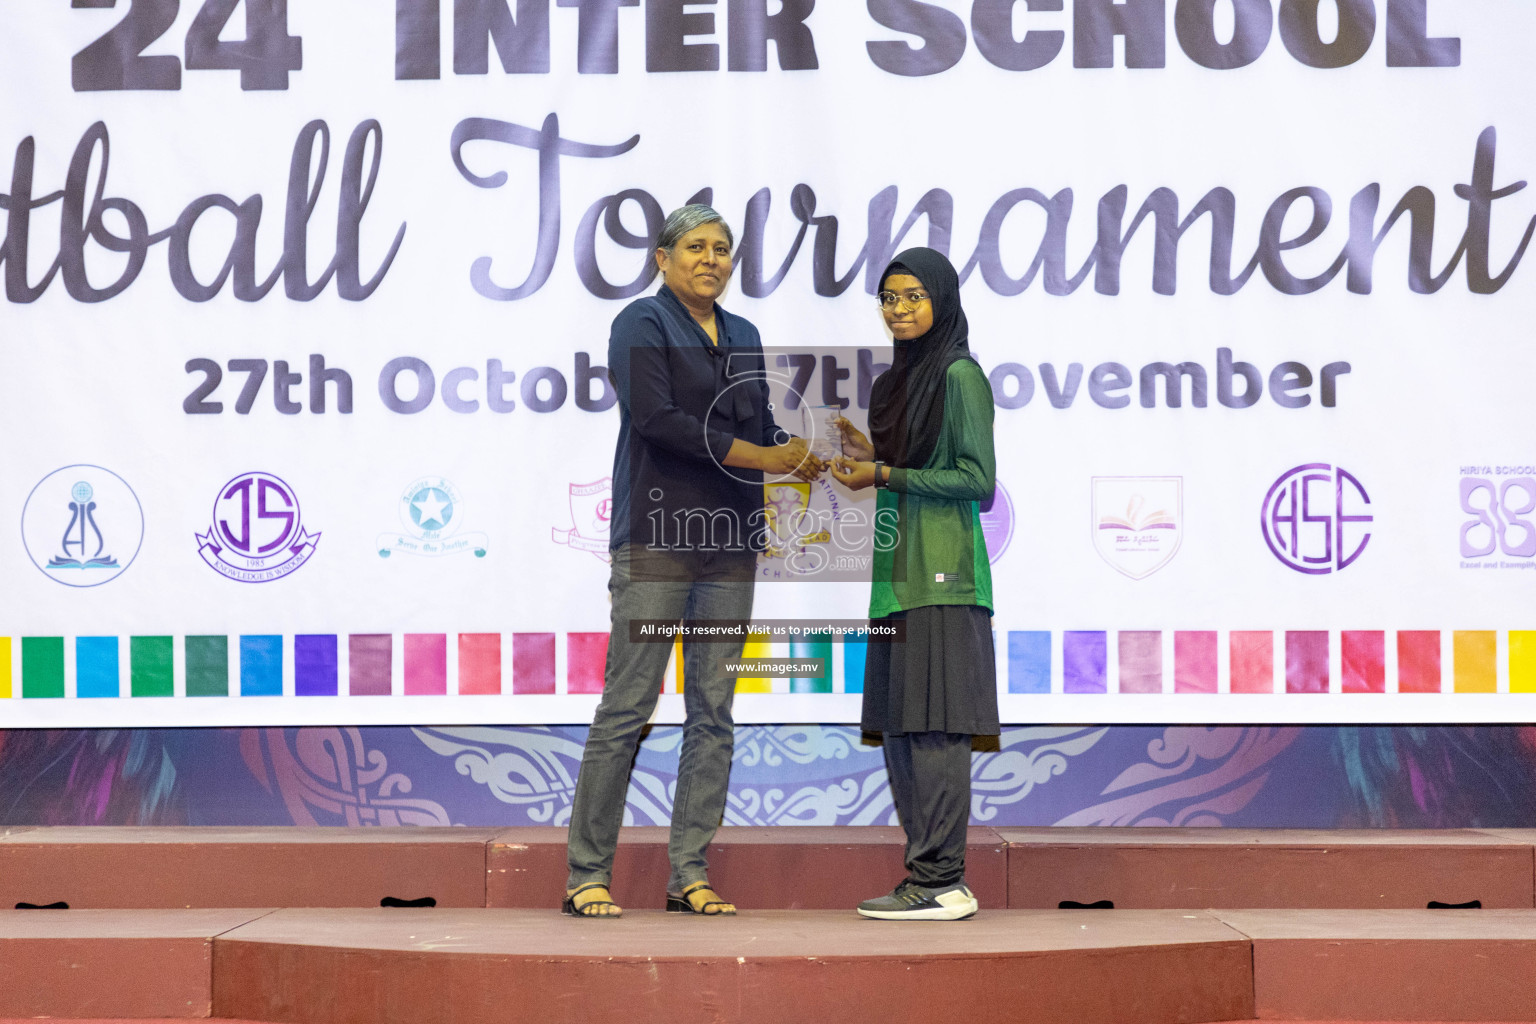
682, 401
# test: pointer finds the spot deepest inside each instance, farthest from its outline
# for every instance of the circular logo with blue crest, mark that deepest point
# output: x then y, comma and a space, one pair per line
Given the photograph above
82, 525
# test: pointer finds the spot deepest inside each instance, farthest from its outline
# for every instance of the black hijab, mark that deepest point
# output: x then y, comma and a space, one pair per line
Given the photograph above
906, 406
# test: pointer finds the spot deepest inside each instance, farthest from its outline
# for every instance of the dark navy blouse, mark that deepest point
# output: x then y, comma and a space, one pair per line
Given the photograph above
682, 401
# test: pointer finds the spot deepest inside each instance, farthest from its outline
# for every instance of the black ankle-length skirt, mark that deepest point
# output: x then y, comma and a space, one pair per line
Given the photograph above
943, 678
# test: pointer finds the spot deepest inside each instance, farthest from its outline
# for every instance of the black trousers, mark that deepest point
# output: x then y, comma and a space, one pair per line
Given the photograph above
930, 776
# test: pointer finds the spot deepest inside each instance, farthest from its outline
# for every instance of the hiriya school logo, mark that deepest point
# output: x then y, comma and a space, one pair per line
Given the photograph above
591, 516
997, 523
82, 525
257, 534
1497, 529
1138, 522
433, 514
1315, 518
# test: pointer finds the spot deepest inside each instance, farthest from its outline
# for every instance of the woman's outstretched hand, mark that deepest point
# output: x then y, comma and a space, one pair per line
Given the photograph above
852, 474
855, 444
792, 457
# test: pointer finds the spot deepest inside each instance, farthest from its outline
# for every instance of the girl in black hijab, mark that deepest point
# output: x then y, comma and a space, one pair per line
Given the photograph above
932, 462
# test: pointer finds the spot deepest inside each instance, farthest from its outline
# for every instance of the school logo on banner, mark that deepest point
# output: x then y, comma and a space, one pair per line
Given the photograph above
1498, 530
1138, 522
82, 525
1316, 518
591, 518
433, 513
258, 532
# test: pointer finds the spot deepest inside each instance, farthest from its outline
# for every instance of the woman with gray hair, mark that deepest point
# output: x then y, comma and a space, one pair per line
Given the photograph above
696, 436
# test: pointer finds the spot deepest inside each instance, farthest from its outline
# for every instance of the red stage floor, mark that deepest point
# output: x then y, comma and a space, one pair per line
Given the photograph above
309, 943
790, 867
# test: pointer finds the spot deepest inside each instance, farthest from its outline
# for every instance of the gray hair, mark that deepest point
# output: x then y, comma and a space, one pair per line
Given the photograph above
684, 219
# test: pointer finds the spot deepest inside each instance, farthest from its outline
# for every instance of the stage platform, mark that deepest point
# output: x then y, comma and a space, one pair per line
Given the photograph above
768, 966
763, 868
1296, 868
778, 868
124, 867
1208, 925
318, 966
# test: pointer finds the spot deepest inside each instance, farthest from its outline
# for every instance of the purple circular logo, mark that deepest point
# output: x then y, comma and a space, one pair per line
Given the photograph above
997, 522
257, 533
255, 514
1315, 518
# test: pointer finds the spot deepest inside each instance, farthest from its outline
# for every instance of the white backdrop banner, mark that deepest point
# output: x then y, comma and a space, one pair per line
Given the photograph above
306, 307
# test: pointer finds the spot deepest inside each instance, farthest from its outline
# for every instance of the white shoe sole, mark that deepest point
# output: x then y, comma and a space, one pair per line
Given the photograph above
957, 913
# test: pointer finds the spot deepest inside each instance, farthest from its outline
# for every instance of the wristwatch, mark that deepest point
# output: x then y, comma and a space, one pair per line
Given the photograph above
880, 481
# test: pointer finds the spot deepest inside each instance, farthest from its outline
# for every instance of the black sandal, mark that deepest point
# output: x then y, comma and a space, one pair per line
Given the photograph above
678, 903
589, 908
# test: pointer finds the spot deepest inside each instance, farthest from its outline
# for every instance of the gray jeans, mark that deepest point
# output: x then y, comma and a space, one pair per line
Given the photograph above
666, 586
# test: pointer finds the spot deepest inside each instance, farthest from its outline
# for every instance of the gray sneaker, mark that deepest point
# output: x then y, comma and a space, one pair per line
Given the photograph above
912, 902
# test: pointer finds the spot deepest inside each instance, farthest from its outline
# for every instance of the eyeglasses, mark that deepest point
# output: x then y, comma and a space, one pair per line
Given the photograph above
912, 299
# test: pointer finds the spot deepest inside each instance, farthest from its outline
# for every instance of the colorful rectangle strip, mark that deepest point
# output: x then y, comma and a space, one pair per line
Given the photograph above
314, 665
1084, 661
855, 651
42, 666
151, 666
1306, 661
261, 666
1476, 654
1252, 654
817, 645
533, 663
1522, 661
207, 659
426, 664
585, 656
96, 666
40, 669
1364, 660
370, 664
757, 646
1195, 661
480, 663
1141, 661
1418, 661
1029, 661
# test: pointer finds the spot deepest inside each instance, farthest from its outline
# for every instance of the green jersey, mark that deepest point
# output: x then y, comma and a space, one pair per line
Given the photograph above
940, 555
